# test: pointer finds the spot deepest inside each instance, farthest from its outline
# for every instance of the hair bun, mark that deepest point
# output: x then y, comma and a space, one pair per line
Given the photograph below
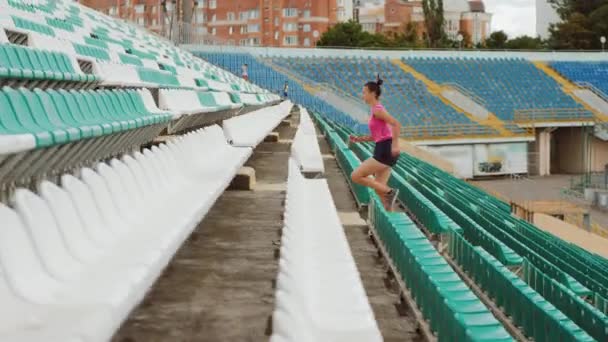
380, 81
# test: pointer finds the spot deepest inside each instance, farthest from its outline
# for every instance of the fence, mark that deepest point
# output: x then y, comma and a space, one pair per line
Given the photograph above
526, 116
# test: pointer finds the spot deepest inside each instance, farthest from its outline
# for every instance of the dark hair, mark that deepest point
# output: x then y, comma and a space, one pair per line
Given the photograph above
374, 87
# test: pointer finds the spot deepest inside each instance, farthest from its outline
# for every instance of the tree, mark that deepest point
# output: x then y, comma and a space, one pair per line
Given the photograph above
573, 34
434, 21
566, 8
351, 34
497, 40
342, 34
525, 43
583, 23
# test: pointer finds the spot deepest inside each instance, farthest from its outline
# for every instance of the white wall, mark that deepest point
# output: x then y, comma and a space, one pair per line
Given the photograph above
341, 53
513, 158
545, 16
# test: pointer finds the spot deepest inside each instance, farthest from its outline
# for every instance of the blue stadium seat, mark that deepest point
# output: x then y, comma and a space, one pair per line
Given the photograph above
595, 73
505, 84
405, 97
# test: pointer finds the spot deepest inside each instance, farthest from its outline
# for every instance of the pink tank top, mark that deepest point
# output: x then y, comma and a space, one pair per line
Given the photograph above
379, 129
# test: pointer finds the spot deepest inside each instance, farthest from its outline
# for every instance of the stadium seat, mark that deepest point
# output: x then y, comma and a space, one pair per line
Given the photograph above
37, 68
594, 73
305, 147
319, 295
265, 76
250, 129
406, 98
63, 251
505, 84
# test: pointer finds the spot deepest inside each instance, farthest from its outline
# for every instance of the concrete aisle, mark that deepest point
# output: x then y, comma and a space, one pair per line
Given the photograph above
219, 285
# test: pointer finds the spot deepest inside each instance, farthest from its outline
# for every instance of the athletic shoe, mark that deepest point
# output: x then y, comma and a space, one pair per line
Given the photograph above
391, 198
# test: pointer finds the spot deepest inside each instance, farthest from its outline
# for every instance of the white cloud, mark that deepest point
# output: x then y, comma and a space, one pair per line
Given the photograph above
515, 17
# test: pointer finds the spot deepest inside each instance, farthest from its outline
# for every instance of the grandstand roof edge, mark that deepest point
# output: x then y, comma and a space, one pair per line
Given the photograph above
301, 52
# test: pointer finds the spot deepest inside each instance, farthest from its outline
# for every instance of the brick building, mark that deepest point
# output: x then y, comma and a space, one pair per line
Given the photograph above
274, 23
147, 13
461, 16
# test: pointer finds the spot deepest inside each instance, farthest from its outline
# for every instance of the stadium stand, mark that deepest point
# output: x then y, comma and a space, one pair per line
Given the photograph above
107, 218
81, 92
594, 74
319, 295
54, 56
81, 96
264, 75
565, 285
405, 97
506, 85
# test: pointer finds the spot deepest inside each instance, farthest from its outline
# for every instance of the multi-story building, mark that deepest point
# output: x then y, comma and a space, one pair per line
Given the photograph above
545, 16
461, 16
275, 23
147, 13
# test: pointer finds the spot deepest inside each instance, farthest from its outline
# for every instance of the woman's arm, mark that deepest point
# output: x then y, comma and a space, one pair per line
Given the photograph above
395, 126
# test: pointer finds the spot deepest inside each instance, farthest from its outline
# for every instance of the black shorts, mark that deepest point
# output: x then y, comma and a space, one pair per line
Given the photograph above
383, 153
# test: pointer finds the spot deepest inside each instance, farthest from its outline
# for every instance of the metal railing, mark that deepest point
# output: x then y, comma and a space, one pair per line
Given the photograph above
593, 89
524, 116
447, 131
466, 92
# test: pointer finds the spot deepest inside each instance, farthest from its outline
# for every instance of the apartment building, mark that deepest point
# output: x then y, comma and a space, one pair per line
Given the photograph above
146, 13
461, 16
273, 23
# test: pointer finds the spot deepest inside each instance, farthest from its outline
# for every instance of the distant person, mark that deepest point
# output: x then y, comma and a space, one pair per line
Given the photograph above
385, 131
285, 89
244, 72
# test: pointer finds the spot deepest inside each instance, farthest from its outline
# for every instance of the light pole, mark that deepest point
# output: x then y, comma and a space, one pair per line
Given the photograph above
603, 41
459, 38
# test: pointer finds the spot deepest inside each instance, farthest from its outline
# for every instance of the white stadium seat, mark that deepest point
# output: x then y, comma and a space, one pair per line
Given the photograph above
305, 147
79, 257
319, 294
124, 75
251, 128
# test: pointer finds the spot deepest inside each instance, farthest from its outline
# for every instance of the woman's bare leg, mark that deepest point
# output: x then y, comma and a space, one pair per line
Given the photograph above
368, 168
383, 177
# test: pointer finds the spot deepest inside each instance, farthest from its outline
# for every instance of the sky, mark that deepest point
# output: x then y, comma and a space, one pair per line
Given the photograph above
515, 17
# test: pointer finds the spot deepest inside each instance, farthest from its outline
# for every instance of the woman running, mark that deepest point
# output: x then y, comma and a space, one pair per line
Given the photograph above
385, 132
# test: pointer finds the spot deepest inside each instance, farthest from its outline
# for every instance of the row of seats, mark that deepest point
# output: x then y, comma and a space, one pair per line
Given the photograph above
405, 97
77, 257
538, 318
506, 85
509, 239
267, 77
594, 73
52, 117
432, 209
250, 129
486, 222
189, 102
453, 310
319, 295
305, 146
117, 53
